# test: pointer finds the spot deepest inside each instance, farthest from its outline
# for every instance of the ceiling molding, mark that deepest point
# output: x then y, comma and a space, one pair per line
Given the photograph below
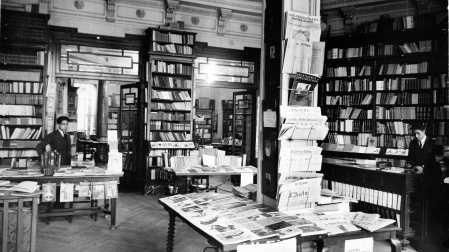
159, 4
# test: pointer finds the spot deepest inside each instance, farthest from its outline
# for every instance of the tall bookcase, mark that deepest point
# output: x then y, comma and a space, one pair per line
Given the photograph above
204, 127
23, 43
168, 112
378, 84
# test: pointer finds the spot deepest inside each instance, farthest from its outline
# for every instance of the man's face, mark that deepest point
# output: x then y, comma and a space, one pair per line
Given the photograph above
63, 126
419, 134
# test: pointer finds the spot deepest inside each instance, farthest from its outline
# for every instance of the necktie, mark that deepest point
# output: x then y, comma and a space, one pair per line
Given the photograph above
420, 144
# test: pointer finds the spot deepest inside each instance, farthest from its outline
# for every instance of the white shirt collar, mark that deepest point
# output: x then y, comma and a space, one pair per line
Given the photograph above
423, 141
62, 132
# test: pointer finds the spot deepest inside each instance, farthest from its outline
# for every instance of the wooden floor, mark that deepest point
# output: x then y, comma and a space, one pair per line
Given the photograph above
142, 225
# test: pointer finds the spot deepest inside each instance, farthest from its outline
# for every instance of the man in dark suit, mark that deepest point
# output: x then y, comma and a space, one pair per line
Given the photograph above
58, 140
421, 153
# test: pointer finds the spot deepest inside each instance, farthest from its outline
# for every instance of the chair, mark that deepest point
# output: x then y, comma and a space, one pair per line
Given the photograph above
201, 183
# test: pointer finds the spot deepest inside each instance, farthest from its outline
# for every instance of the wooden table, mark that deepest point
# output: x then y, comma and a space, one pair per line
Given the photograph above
189, 175
111, 210
323, 240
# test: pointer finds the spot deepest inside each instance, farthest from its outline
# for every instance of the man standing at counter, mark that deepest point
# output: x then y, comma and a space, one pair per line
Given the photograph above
58, 140
421, 154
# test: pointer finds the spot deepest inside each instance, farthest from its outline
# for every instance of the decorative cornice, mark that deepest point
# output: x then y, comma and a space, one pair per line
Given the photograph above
143, 2
79, 4
204, 12
110, 11
223, 14
240, 4
246, 18
170, 7
140, 13
381, 8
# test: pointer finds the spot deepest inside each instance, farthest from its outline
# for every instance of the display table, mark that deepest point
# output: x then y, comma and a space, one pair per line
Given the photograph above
188, 173
19, 225
398, 183
111, 210
322, 240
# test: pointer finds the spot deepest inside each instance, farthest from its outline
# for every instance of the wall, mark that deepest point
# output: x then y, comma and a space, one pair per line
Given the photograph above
228, 23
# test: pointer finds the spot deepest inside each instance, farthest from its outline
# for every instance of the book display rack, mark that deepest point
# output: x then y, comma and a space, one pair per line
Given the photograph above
24, 40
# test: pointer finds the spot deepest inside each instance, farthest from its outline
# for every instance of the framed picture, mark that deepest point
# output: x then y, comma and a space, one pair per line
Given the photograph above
243, 104
238, 122
230, 104
130, 98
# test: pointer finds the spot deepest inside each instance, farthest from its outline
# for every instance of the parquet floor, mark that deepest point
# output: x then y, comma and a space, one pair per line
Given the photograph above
141, 223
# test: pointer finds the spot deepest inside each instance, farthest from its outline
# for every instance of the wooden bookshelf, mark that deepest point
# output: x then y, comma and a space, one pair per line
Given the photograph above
397, 69
23, 43
204, 128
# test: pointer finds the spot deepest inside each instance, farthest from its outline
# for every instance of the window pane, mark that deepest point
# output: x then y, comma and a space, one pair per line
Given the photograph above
116, 52
68, 48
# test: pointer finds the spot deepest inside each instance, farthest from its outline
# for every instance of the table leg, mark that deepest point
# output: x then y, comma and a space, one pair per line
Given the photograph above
395, 245
113, 212
319, 245
171, 231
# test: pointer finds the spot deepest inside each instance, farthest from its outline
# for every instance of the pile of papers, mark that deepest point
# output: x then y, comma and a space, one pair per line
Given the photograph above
370, 222
25, 188
248, 191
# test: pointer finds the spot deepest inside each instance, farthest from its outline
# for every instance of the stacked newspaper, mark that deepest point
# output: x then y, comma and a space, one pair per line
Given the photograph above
248, 191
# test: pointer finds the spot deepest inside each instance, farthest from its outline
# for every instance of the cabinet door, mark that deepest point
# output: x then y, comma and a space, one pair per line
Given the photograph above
244, 125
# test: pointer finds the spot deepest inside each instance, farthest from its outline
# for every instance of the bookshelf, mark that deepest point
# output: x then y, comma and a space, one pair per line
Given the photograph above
167, 108
376, 85
72, 105
23, 43
204, 126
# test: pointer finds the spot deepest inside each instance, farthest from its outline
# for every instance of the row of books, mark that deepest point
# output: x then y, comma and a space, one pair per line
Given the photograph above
404, 98
22, 59
420, 113
349, 71
441, 81
18, 144
424, 46
163, 81
20, 133
21, 76
173, 145
349, 100
442, 140
17, 110
441, 128
18, 153
171, 95
390, 24
170, 116
21, 99
376, 197
350, 125
172, 37
174, 106
395, 68
400, 142
395, 162
403, 83
441, 96
352, 52
21, 120
349, 113
159, 174
172, 48
160, 125
172, 68
360, 139
171, 152
397, 127
168, 136
441, 112
348, 86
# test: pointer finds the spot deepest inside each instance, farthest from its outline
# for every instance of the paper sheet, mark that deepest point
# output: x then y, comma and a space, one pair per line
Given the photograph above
246, 178
209, 160
269, 119
360, 245
285, 246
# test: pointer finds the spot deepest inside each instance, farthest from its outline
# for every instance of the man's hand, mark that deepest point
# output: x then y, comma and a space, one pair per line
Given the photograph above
418, 169
47, 148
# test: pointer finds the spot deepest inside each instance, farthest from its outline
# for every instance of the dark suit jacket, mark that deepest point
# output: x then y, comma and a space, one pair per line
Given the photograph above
57, 143
424, 156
